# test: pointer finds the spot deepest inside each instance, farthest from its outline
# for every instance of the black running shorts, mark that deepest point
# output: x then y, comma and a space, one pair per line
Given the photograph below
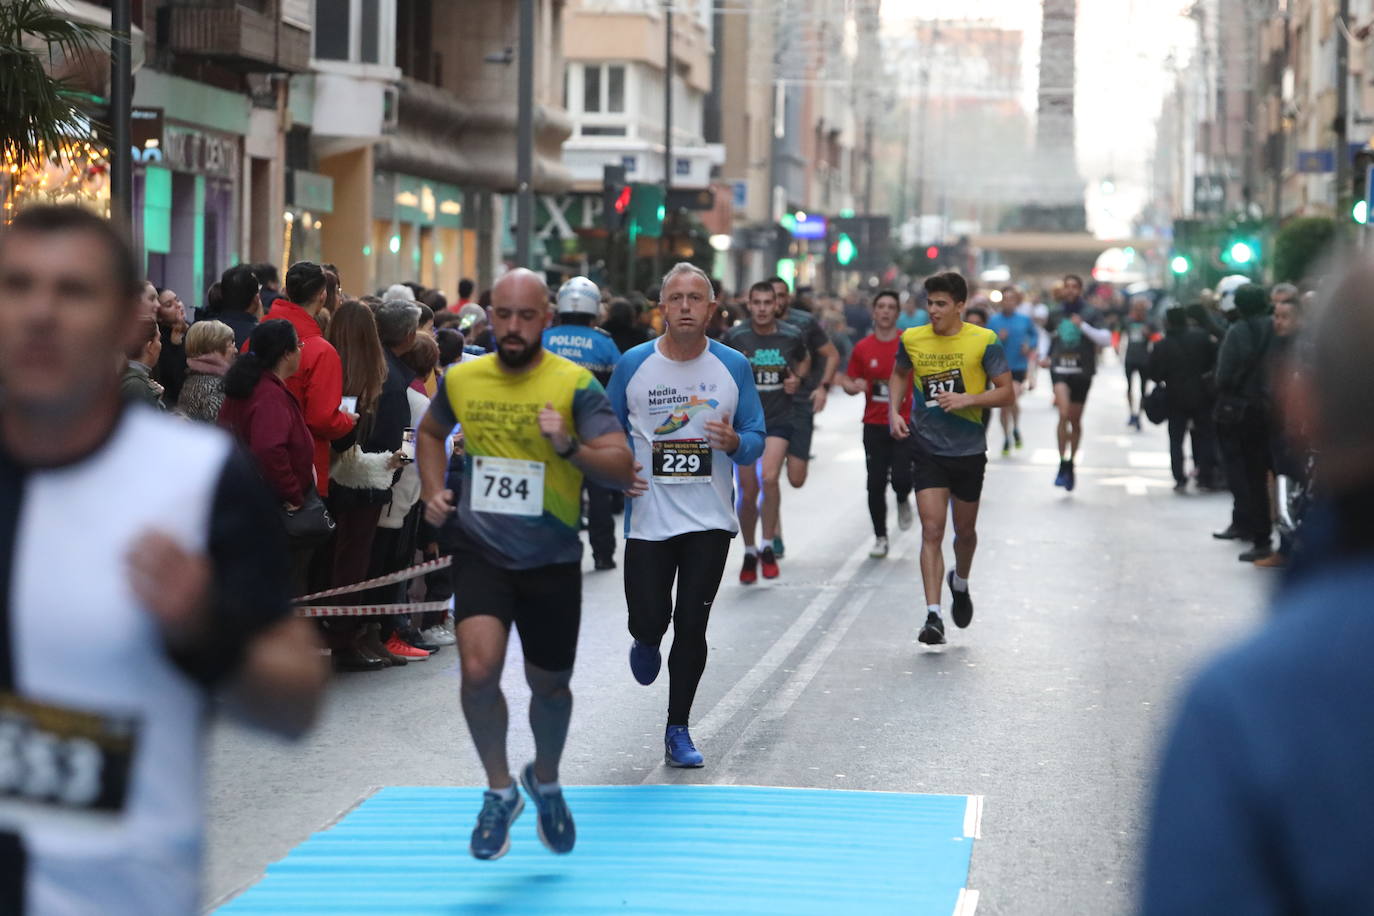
961, 475
544, 603
803, 425
1079, 384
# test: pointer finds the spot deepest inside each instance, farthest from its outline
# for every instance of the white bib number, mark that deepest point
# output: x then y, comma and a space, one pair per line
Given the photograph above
507, 486
64, 758
682, 461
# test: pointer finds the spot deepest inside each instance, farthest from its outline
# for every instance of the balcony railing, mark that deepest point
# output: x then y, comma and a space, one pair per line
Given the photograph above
239, 38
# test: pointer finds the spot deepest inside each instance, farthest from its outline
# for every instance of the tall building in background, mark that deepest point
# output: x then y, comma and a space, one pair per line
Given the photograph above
796, 98
1059, 196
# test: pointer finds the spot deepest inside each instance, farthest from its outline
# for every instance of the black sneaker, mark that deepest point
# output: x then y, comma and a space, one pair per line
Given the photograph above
963, 604
1258, 552
933, 633
1232, 533
601, 564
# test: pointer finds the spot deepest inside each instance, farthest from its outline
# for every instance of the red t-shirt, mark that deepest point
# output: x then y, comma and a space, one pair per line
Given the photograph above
873, 360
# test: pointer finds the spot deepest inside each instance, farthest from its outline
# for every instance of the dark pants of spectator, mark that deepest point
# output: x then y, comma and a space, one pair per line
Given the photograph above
888, 459
600, 521
696, 561
393, 549
1199, 420
1245, 449
299, 555
435, 543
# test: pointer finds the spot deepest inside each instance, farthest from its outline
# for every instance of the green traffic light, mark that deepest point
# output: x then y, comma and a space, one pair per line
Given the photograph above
1360, 212
1241, 253
1179, 264
845, 250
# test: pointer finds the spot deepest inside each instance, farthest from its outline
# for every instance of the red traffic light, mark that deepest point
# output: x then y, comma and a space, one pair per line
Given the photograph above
622, 202
932, 252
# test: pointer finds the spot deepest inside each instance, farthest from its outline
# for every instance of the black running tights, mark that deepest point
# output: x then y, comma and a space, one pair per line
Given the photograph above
886, 456
697, 561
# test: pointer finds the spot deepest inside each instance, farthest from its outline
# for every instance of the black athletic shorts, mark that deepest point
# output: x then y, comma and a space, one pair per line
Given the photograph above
1018, 375
779, 431
803, 425
544, 603
961, 475
1140, 369
1079, 385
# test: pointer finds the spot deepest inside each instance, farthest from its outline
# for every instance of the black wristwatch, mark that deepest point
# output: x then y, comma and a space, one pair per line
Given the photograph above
574, 444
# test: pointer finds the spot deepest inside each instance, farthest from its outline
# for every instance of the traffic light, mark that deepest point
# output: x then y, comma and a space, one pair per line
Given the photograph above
1360, 176
615, 197
1242, 250
933, 253
1180, 265
647, 210
845, 250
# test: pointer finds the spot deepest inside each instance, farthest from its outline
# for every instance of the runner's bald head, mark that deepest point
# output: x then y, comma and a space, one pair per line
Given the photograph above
520, 288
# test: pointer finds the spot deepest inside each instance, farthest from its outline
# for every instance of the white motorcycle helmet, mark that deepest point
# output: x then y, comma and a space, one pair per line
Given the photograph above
579, 296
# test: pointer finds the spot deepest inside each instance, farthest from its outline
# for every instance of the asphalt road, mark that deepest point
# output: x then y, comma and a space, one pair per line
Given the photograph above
1092, 609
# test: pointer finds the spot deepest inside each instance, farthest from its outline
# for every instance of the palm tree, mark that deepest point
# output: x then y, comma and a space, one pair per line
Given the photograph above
39, 112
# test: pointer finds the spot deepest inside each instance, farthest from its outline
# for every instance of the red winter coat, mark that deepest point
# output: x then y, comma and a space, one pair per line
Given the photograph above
317, 385
269, 422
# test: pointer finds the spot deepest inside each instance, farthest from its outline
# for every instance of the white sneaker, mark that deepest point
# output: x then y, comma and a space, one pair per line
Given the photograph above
438, 636
904, 515
879, 549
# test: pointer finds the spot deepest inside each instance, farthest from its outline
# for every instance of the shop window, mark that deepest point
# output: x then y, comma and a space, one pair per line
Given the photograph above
590, 130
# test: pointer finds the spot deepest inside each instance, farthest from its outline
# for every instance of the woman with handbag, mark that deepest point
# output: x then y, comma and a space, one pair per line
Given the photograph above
362, 474
263, 415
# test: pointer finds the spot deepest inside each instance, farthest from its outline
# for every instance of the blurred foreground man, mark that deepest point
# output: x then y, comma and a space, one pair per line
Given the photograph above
1266, 799
126, 593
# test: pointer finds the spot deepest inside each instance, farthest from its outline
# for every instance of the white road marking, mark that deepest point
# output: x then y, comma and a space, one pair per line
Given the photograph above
781, 702
973, 817
734, 700
1135, 485
1148, 460
967, 904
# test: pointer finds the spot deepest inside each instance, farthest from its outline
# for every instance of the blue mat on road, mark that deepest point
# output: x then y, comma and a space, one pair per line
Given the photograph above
658, 850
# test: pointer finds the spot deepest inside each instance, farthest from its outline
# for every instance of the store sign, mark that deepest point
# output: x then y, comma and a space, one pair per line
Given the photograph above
308, 191
186, 149
145, 129
1316, 161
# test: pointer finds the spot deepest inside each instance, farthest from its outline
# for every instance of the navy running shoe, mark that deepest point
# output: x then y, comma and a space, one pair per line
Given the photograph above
1069, 480
678, 749
645, 662
491, 836
556, 828
1062, 478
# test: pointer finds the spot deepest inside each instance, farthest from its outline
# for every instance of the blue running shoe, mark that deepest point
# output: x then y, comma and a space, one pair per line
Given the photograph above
777, 547
678, 749
491, 836
645, 662
556, 828
1069, 481
1062, 479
